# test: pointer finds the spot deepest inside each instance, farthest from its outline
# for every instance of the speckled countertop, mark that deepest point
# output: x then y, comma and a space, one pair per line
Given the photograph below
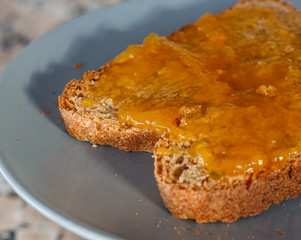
22, 21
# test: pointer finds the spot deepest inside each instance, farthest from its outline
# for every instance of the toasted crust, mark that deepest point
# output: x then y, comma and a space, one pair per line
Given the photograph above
102, 128
271, 4
207, 200
189, 193
186, 189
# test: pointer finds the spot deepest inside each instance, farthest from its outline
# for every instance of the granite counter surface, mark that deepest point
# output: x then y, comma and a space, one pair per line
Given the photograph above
22, 21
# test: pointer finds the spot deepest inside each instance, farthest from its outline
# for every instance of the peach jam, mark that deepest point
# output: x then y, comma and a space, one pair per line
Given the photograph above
229, 84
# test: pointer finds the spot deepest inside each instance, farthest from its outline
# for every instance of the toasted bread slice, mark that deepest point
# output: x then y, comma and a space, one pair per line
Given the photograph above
189, 192
191, 185
99, 123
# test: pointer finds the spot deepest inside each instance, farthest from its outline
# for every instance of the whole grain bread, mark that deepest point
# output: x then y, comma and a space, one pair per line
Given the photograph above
99, 123
190, 193
186, 188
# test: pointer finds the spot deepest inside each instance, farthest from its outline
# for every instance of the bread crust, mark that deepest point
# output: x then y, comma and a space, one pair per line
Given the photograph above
208, 200
271, 4
229, 198
98, 130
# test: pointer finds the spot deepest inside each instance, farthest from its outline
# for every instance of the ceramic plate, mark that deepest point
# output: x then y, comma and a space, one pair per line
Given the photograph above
103, 192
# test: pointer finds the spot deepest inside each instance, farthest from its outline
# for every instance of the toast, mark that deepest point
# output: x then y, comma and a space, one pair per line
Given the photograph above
218, 104
99, 123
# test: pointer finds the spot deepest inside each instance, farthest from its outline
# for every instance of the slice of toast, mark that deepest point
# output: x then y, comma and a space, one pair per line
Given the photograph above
99, 123
156, 108
189, 192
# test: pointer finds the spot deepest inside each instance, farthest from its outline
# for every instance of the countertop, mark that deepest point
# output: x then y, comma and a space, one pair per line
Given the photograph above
22, 21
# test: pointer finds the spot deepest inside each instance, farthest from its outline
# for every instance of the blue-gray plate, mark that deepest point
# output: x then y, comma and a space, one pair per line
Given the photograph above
103, 192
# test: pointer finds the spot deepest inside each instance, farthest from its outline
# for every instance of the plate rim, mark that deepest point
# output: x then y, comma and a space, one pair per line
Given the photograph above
50, 213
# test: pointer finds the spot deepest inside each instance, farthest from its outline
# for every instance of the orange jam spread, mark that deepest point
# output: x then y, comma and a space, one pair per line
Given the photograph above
229, 84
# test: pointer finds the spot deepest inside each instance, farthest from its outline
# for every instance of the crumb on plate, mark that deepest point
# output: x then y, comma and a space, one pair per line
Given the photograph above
78, 66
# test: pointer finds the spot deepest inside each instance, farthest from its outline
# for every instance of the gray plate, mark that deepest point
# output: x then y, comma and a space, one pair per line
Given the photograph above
104, 192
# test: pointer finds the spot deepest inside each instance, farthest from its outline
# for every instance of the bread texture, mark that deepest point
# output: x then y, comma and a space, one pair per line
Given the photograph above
99, 123
188, 191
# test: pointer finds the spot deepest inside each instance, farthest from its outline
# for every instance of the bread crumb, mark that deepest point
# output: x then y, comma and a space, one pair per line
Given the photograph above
60, 120
116, 174
47, 112
158, 225
167, 228
136, 213
139, 199
183, 227
266, 234
226, 233
279, 232
94, 146
42, 112
228, 225
55, 103
78, 66
18, 140
20, 106
177, 230
218, 238
197, 232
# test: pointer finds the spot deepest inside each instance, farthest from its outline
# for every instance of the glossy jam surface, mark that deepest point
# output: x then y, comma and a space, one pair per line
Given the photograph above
230, 84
